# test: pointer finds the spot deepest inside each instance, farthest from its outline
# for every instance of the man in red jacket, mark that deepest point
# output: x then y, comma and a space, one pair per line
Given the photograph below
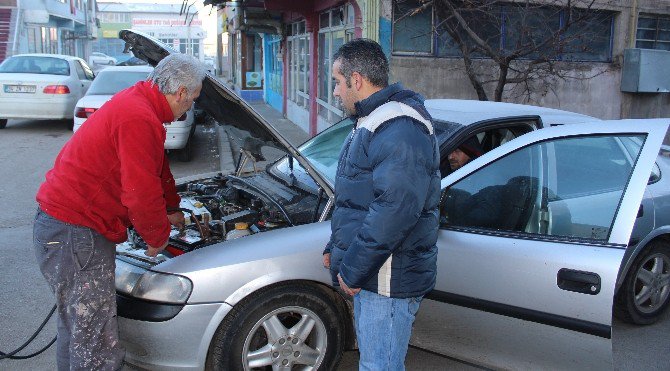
113, 173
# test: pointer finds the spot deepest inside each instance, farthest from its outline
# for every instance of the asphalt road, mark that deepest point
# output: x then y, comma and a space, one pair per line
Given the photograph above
27, 151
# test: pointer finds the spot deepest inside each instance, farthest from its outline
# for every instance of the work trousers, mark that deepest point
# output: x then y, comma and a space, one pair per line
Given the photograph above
78, 264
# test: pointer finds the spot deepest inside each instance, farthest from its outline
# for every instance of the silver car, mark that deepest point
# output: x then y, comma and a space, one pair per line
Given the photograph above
538, 237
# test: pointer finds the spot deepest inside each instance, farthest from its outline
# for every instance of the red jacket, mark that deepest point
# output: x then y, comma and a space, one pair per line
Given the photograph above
113, 172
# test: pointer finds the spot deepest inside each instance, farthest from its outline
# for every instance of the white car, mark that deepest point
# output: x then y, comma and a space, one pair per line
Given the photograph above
97, 58
113, 79
42, 86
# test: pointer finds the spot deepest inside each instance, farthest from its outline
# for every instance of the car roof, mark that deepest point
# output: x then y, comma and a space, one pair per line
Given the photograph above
142, 68
61, 56
466, 112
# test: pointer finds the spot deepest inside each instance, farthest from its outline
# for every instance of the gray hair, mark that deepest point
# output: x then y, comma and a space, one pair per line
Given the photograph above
365, 57
177, 70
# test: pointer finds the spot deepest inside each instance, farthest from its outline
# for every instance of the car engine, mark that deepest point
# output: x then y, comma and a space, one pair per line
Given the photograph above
227, 207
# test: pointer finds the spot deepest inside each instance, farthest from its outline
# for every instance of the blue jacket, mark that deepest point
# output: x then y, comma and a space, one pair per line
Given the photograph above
387, 190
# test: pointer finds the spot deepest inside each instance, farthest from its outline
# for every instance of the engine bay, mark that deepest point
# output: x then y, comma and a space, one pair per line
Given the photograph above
222, 208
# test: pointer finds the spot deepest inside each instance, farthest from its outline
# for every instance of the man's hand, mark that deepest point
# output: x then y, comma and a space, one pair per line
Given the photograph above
177, 219
153, 251
326, 260
347, 289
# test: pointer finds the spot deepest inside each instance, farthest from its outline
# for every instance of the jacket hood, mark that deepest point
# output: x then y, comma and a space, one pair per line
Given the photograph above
224, 105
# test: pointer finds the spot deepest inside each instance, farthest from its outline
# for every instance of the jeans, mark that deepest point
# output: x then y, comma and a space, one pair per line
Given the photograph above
78, 264
383, 329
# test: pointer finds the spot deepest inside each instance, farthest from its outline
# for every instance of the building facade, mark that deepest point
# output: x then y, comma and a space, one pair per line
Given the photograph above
183, 32
47, 26
289, 46
591, 82
281, 52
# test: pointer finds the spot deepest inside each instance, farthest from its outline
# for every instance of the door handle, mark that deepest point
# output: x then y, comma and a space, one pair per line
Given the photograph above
578, 281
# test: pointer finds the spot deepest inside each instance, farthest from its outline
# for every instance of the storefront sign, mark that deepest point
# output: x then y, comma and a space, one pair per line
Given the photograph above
166, 22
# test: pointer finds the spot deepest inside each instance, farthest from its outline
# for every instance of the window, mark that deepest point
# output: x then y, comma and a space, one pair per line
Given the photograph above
412, 34
42, 40
336, 29
653, 33
298, 47
185, 46
275, 67
569, 187
505, 28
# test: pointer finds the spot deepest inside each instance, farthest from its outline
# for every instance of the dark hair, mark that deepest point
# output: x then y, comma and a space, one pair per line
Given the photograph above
365, 57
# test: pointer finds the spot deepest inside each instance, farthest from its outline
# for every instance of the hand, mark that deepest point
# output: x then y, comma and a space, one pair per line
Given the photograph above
153, 251
326, 260
177, 219
347, 289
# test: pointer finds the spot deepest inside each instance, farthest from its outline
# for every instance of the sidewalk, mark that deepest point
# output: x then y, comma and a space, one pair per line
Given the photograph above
229, 152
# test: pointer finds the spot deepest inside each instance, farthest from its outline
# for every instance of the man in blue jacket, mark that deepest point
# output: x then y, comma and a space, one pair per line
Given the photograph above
384, 227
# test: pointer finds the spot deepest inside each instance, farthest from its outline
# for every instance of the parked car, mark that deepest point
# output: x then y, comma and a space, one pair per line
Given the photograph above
113, 79
575, 221
132, 61
97, 58
42, 86
210, 63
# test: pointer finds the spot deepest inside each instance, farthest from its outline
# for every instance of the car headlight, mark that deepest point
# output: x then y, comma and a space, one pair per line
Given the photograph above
144, 284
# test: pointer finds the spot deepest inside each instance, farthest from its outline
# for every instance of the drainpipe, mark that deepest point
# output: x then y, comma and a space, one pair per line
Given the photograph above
17, 27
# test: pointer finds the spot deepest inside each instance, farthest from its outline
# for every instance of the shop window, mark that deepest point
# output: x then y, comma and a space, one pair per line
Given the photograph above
299, 56
275, 66
337, 30
653, 32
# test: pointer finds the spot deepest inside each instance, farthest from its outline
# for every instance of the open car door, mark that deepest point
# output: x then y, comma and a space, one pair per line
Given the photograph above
532, 235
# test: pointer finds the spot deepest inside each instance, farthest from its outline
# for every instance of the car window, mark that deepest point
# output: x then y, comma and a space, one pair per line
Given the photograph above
568, 187
87, 70
38, 65
112, 82
322, 151
489, 139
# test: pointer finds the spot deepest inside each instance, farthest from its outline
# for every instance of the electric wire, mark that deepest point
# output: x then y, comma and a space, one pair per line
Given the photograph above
11, 355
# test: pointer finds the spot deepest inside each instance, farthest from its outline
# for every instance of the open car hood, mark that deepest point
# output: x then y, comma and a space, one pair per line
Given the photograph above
224, 105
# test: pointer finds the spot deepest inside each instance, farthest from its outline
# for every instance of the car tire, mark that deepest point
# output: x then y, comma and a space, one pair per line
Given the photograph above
649, 273
283, 310
69, 124
3, 123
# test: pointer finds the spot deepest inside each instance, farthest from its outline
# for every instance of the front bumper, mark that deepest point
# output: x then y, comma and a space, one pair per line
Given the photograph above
179, 343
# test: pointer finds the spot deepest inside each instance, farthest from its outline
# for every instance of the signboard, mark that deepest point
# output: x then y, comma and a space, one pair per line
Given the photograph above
165, 22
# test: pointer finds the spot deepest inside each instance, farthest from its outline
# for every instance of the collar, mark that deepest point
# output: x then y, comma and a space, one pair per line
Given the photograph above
366, 106
157, 100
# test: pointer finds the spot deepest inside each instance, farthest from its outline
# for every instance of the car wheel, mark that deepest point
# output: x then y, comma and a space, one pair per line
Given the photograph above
3, 123
70, 124
645, 292
287, 327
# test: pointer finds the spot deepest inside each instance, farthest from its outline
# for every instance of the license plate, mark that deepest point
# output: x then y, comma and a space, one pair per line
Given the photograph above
19, 88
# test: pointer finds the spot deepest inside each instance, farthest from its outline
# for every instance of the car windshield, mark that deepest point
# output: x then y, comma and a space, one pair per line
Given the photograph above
322, 152
39, 65
112, 82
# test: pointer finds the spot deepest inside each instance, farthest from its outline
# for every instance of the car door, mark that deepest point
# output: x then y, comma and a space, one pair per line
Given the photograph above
85, 75
531, 238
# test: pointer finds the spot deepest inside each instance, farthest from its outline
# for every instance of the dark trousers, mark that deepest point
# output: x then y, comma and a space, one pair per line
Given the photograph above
78, 264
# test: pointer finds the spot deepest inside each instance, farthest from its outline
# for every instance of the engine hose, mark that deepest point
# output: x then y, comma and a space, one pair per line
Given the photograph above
11, 355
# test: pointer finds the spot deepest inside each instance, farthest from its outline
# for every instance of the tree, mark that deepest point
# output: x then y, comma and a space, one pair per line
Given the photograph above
517, 48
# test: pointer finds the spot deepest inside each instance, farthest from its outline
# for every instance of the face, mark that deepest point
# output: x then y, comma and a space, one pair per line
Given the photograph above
184, 100
457, 159
346, 95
